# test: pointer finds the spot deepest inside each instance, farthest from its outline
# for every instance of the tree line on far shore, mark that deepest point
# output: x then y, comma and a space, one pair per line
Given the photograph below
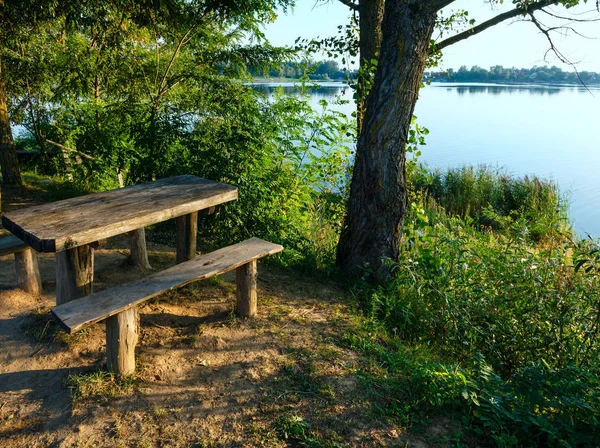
324, 70
498, 73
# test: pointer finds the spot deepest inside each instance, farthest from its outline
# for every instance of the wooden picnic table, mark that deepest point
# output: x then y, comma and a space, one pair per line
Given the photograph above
72, 227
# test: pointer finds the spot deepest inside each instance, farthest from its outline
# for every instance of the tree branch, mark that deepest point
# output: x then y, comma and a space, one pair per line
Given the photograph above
439, 4
67, 149
561, 57
350, 4
491, 22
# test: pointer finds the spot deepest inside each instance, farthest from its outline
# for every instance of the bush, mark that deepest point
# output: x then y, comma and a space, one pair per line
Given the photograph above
512, 320
536, 406
470, 292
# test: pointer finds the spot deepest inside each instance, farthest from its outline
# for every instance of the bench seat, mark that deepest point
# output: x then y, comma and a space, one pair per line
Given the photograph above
117, 305
11, 245
26, 263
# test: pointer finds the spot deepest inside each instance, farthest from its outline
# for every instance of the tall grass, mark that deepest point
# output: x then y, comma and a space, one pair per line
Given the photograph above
487, 195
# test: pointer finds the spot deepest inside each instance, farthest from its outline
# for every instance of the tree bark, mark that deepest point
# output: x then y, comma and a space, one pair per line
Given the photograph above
11, 174
377, 206
370, 18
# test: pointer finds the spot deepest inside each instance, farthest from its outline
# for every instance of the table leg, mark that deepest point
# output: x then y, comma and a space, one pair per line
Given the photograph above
187, 229
139, 255
74, 273
28, 272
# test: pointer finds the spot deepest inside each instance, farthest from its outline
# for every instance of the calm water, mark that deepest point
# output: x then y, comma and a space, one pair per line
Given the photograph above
552, 132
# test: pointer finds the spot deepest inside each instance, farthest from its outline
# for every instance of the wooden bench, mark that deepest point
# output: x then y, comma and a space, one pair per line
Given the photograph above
117, 305
26, 264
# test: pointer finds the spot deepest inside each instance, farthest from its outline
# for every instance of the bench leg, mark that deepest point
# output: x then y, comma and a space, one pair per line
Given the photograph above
28, 272
187, 230
139, 255
246, 289
121, 339
74, 273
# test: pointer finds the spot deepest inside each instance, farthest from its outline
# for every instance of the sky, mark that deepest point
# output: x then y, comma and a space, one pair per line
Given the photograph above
511, 44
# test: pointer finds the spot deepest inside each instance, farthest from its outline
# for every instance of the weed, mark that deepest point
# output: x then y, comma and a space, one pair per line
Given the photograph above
159, 412
40, 326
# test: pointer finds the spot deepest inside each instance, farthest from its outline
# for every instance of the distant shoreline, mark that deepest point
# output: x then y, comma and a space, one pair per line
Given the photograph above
263, 80
517, 83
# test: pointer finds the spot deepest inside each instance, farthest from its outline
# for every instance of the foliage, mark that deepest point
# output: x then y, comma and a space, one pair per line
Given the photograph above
324, 70
497, 325
290, 164
135, 95
472, 291
535, 406
493, 198
498, 73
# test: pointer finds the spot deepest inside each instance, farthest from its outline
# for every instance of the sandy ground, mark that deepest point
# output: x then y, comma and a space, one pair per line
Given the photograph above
204, 378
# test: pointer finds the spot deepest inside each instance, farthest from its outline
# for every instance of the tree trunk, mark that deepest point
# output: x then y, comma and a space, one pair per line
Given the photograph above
377, 205
370, 18
11, 174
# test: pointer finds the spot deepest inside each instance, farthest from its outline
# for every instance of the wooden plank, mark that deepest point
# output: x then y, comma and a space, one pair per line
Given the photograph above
61, 225
28, 272
11, 244
122, 332
187, 231
80, 313
245, 279
74, 273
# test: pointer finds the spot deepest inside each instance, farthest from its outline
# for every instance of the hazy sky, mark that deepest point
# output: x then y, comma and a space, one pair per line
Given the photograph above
512, 43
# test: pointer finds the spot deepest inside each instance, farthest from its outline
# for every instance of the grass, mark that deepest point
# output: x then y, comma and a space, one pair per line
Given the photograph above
491, 197
99, 385
41, 328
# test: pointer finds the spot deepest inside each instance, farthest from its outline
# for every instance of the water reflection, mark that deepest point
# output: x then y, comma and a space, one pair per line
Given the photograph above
328, 90
501, 90
323, 91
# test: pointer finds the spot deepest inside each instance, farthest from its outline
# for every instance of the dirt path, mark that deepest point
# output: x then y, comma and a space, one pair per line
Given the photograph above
204, 377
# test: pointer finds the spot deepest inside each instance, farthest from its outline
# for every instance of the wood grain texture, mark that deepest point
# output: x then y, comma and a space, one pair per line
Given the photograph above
247, 301
28, 272
74, 273
61, 225
80, 313
139, 254
122, 332
187, 230
11, 245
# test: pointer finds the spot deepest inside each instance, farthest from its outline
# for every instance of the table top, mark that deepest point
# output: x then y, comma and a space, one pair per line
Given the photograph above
62, 225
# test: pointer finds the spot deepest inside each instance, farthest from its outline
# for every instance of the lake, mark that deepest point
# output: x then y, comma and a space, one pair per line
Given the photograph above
549, 131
